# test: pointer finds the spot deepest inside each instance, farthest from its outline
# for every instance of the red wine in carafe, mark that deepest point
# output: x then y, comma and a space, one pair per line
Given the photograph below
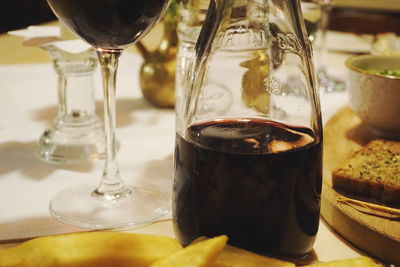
257, 181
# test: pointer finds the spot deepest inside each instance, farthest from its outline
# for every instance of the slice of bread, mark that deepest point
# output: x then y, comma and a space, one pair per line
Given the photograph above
373, 171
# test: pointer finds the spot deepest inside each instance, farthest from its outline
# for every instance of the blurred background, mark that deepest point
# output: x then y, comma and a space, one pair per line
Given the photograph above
361, 16
365, 16
17, 14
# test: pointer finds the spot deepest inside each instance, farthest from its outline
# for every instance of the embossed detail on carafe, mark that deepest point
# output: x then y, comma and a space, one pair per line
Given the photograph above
241, 37
273, 85
289, 43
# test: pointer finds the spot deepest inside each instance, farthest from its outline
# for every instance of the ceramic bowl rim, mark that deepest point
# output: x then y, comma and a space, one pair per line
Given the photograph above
349, 63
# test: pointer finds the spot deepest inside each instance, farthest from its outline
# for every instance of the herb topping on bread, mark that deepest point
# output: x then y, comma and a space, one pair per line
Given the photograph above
373, 171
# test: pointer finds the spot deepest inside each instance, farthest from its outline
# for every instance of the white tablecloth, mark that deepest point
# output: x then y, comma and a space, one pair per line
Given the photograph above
28, 99
27, 107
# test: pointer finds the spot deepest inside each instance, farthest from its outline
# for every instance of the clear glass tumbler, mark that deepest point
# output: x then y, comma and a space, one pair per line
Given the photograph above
77, 133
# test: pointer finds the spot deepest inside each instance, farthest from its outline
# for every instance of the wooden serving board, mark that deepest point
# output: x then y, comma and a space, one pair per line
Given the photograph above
379, 236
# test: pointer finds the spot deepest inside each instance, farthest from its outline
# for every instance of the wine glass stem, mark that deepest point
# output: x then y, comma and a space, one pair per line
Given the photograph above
111, 185
324, 21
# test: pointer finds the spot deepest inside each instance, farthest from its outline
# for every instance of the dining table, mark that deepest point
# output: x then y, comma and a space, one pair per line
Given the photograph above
28, 105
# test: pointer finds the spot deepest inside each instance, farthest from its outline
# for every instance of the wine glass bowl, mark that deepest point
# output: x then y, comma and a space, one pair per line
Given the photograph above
312, 14
109, 26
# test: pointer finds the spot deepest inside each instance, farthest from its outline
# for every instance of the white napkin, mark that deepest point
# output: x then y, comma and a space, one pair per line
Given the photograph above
386, 44
50, 35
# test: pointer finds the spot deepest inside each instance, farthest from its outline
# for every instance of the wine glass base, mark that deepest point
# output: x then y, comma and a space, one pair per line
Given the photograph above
76, 205
327, 84
332, 86
72, 143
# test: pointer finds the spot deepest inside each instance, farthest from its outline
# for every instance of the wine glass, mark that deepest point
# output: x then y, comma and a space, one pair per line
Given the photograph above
109, 26
316, 17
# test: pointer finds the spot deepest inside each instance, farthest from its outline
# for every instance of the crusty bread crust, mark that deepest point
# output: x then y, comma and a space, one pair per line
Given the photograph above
373, 171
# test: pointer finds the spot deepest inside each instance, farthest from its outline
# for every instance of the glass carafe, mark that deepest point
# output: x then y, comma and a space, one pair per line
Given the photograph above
249, 135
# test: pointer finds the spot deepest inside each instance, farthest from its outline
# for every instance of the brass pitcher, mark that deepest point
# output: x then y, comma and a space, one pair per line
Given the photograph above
157, 73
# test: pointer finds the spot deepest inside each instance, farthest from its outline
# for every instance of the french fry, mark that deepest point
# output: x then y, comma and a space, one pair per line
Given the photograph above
356, 262
118, 249
236, 257
233, 256
90, 249
199, 254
